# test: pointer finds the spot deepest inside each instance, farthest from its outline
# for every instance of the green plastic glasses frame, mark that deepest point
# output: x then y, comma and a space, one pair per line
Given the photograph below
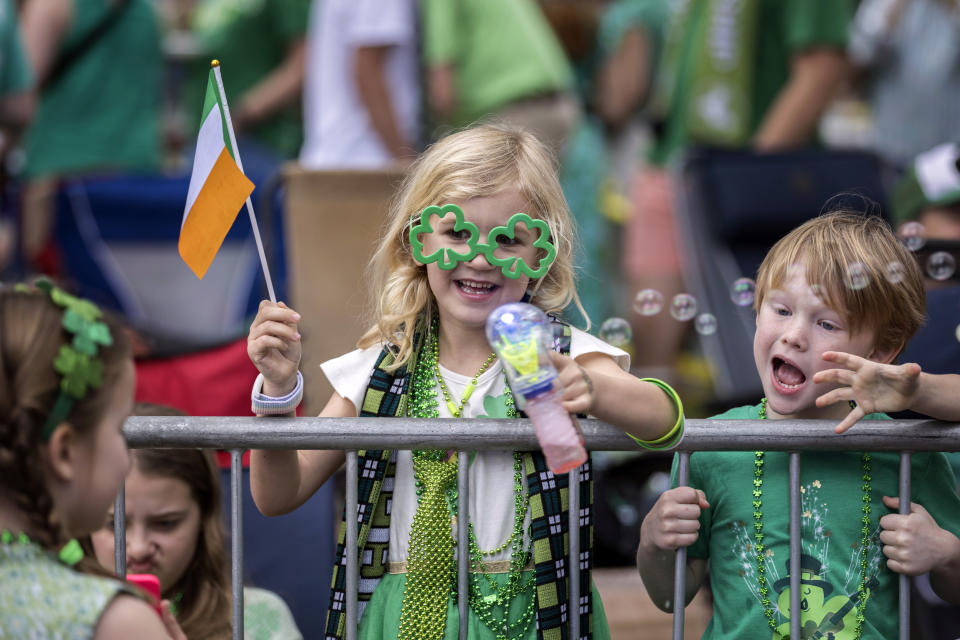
512, 266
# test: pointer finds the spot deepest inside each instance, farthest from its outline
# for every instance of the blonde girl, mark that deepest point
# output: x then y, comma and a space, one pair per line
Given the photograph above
426, 355
66, 387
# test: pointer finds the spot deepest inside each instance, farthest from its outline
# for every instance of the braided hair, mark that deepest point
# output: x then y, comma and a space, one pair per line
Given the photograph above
31, 334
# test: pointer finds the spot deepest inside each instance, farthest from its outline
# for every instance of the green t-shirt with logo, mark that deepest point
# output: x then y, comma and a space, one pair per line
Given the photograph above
831, 493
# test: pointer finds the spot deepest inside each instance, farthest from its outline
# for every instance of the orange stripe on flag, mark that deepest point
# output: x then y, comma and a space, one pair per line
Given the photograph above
212, 214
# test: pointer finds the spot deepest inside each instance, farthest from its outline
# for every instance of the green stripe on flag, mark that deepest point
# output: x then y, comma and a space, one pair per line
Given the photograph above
213, 98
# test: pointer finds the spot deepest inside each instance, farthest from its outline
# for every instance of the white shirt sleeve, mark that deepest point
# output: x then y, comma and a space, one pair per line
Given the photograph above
582, 343
381, 23
350, 373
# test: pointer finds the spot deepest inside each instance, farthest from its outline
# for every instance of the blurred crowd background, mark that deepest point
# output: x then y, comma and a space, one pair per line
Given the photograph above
689, 134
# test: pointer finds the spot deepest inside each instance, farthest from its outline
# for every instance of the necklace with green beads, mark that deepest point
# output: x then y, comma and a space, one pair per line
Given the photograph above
424, 403
759, 547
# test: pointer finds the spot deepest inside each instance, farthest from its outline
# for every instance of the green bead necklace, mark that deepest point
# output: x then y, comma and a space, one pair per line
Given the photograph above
758, 534
424, 403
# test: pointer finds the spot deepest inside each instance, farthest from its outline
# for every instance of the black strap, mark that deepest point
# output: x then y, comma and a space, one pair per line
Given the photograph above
67, 58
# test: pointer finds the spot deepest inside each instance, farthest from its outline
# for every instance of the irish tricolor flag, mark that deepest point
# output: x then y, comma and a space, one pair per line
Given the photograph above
217, 190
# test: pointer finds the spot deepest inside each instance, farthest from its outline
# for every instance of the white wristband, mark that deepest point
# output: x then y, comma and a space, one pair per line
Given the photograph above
263, 405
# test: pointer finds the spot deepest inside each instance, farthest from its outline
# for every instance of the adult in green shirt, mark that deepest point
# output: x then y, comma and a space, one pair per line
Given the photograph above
98, 80
261, 48
16, 105
752, 74
497, 58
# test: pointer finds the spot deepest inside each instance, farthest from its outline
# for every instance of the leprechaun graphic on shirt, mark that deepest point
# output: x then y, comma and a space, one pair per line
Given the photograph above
828, 604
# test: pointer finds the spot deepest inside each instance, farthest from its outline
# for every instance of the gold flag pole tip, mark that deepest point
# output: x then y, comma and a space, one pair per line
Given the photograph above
214, 63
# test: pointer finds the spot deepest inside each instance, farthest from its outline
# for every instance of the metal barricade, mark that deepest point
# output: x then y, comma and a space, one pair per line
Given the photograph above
353, 434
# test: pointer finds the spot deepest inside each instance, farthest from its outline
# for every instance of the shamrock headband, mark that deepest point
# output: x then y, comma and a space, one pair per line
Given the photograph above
511, 266
76, 361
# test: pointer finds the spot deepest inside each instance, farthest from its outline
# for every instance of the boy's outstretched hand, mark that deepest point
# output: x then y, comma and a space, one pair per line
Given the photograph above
273, 345
673, 522
873, 386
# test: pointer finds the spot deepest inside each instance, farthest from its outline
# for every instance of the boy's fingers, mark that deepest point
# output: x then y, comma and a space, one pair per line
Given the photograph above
843, 376
834, 396
842, 358
893, 502
855, 414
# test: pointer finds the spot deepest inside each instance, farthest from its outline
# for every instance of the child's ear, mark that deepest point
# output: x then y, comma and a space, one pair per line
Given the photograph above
61, 450
886, 355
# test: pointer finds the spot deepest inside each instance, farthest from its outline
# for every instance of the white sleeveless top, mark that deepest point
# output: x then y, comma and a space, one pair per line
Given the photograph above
491, 472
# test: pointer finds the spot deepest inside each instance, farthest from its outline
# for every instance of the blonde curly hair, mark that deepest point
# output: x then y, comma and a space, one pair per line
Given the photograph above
476, 162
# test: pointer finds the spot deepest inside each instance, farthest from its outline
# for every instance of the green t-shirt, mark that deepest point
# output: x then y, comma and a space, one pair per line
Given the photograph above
831, 521
104, 112
15, 73
42, 598
785, 27
251, 38
501, 50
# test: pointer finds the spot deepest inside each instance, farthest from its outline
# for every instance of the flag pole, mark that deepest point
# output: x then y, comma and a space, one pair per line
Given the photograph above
236, 156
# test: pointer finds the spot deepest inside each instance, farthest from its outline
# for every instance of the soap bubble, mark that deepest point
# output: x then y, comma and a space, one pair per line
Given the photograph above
858, 276
913, 235
649, 302
683, 307
895, 272
941, 265
958, 333
616, 332
742, 292
706, 324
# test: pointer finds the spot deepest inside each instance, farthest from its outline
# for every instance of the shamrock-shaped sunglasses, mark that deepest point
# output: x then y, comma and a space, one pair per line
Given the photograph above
458, 247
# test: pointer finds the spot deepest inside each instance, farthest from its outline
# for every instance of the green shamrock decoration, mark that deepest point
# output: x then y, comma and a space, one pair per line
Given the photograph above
79, 371
86, 334
514, 265
445, 258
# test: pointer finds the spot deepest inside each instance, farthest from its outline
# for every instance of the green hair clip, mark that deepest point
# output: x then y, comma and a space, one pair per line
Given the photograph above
512, 266
77, 361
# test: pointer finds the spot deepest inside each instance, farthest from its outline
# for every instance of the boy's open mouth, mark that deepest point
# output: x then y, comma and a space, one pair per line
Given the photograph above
787, 374
475, 287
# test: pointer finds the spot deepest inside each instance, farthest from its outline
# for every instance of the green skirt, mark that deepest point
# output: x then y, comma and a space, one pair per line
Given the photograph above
381, 618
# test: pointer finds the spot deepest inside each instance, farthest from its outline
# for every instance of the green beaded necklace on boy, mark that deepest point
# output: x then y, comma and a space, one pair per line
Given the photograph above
423, 404
759, 547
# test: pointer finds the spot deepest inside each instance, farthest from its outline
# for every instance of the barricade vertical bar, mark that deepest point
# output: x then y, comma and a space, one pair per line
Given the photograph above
351, 545
794, 544
904, 578
236, 539
573, 503
680, 568
463, 544
120, 534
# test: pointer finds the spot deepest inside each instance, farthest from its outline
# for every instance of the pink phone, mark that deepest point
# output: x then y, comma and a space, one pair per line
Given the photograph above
148, 583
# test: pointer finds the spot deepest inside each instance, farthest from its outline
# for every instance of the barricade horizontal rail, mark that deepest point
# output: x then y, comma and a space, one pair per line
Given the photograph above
353, 434
497, 434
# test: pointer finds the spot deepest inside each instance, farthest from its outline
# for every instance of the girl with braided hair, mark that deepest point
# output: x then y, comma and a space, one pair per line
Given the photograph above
66, 387
479, 222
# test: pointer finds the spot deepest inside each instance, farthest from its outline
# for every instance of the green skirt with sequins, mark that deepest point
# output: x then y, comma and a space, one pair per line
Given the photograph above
381, 618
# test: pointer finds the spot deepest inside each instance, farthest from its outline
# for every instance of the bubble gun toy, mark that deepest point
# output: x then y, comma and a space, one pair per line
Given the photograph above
521, 334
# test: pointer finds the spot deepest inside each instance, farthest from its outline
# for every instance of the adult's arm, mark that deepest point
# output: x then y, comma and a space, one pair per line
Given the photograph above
276, 90
44, 24
815, 76
369, 75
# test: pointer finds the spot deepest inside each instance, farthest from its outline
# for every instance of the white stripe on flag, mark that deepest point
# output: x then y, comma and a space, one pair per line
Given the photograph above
209, 146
